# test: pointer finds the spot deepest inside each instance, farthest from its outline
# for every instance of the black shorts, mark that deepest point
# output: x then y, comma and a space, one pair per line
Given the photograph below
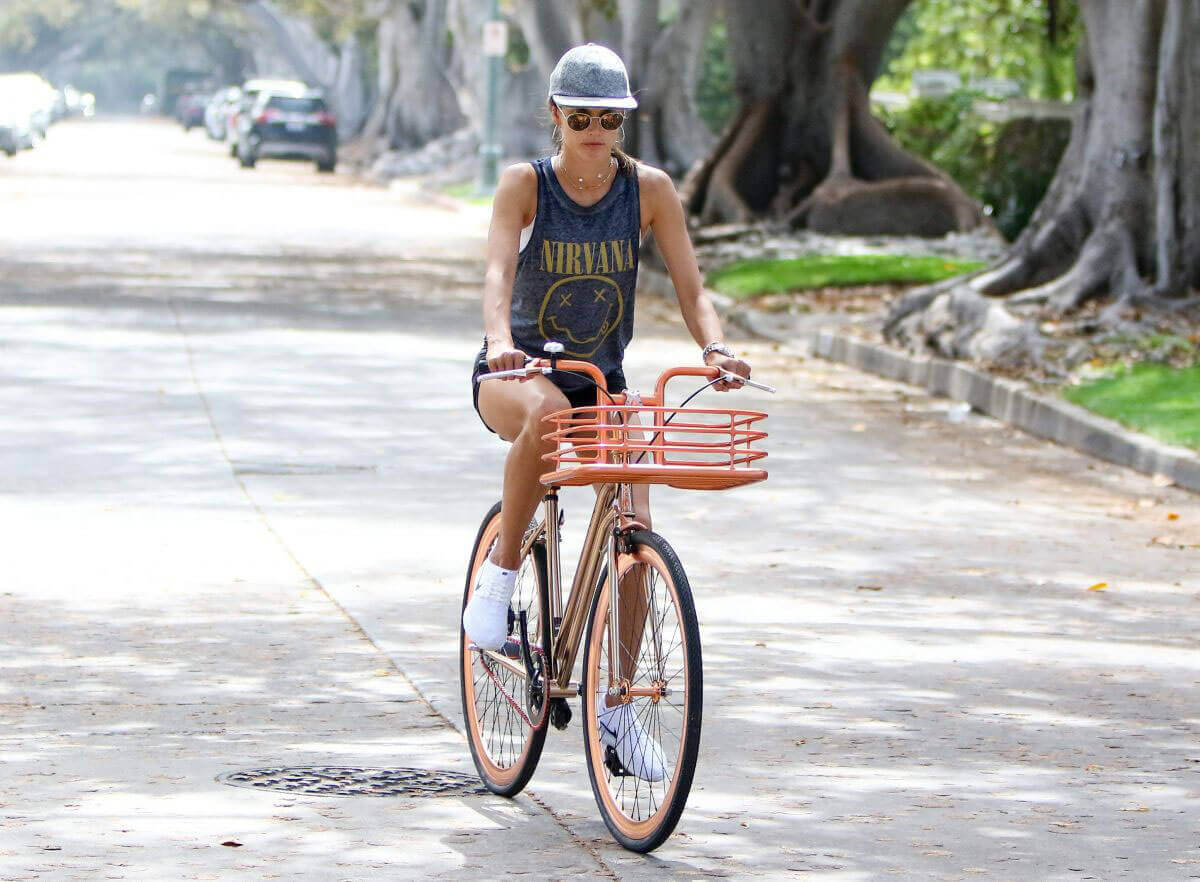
579, 396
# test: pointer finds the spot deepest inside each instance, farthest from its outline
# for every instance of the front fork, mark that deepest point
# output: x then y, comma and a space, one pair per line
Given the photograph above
618, 541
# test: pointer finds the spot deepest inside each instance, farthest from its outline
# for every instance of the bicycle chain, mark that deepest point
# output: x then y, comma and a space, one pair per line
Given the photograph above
537, 650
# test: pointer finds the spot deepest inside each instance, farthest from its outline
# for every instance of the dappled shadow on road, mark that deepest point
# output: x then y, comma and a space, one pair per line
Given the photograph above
120, 711
906, 673
920, 675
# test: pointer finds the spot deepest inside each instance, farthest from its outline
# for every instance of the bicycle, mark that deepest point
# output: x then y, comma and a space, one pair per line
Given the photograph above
511, 696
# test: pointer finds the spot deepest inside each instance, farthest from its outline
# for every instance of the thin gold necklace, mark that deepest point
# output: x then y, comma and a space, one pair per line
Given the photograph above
577, 182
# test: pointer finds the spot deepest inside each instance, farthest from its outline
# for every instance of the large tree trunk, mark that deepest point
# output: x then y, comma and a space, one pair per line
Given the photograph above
664, 66
550, 28
1122, 216
417, 102
804, 146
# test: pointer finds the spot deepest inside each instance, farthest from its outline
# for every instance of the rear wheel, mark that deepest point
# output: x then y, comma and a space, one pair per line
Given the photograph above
662, 673
505, 716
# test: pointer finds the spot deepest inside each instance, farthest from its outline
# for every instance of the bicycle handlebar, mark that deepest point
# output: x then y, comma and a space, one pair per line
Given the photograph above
542, 366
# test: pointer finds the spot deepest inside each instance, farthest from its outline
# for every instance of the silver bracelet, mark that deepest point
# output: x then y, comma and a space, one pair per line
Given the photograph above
716, 346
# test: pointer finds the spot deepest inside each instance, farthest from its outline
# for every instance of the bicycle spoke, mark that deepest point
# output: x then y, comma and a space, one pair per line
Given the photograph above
658, 660
500, 729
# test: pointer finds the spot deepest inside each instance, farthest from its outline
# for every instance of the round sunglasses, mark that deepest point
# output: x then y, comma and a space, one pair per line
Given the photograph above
579, 120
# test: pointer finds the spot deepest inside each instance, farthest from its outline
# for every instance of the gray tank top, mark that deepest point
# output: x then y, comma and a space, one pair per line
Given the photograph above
576, 277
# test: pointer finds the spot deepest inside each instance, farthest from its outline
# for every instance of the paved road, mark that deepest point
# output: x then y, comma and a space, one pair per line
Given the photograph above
239, 481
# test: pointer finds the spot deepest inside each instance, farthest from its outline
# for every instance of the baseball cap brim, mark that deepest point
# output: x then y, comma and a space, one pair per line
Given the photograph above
591, 101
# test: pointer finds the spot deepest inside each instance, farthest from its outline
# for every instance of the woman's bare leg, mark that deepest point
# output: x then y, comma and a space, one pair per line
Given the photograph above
515, 410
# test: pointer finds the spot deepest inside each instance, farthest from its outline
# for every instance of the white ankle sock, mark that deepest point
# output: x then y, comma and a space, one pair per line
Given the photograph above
496, 582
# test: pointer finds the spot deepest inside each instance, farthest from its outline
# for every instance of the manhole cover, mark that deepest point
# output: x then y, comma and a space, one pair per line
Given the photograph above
343, 781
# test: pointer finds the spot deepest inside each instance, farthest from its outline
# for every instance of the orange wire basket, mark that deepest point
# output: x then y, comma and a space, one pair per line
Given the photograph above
690, 448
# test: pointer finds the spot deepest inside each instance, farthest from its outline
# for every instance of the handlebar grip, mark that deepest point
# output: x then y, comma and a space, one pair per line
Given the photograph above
500, 375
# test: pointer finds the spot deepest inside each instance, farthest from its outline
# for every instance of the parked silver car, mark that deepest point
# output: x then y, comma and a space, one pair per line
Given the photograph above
27, 105
216, 114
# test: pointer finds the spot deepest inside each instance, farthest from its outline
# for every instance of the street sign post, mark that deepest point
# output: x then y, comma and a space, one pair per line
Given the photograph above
495, 44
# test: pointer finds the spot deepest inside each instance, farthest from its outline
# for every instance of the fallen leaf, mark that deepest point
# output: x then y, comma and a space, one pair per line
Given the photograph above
1172, 516
1099, 586
859, 427
870, 587
1093, 767
232, 844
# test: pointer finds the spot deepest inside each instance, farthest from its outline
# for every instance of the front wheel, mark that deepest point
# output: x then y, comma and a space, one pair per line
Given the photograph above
661, 681
504, 714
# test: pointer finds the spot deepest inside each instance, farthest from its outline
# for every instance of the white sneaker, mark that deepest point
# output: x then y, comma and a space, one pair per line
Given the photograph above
638, 752
486, 617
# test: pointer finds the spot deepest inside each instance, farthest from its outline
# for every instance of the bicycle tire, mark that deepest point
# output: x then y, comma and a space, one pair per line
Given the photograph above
644, 834
503, 768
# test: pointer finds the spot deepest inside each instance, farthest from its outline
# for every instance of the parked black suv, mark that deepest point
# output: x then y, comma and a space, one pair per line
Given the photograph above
288, 126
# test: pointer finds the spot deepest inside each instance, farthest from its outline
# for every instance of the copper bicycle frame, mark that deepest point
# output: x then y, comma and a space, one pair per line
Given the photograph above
568, 624
602, 543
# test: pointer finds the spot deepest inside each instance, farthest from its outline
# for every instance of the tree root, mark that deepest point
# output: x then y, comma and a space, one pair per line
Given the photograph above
962, 323
915, 206
1038, 258
715, 183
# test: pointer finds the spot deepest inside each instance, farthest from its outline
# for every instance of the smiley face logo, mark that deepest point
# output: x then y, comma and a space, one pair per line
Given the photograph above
580, 312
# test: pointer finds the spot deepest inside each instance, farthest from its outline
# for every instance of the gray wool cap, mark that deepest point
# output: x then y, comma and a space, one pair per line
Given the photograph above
591, 76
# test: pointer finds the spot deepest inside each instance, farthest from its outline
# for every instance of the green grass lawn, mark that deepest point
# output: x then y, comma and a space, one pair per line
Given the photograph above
1163, 402
468, 191
752, 277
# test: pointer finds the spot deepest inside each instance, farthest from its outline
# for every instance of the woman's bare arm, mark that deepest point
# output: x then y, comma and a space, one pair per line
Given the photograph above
512, 209
670, 233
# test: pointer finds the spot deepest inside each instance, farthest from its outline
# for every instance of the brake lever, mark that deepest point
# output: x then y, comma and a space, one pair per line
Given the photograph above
515, 372
738, 379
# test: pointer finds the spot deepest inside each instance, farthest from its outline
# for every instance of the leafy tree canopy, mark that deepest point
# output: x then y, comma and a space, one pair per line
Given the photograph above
1029, 41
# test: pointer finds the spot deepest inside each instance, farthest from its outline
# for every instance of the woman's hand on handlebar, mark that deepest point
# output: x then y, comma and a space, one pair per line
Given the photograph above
730, 366
506, 357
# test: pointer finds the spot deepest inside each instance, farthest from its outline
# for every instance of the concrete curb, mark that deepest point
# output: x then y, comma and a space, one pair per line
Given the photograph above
1013, 403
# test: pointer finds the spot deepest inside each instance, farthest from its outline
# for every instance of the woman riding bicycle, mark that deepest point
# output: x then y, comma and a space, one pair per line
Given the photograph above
562, 262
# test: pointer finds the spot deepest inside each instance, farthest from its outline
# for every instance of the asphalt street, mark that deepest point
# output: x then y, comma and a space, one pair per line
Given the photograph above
239, 479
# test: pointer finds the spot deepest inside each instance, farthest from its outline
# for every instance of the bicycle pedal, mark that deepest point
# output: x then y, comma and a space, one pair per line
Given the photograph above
511, 648
560, 713
613, 763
